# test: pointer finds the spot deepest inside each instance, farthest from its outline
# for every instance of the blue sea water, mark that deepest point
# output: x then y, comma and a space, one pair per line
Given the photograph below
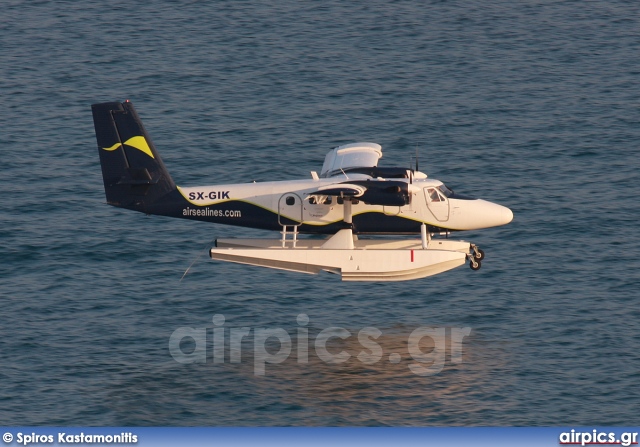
531, 104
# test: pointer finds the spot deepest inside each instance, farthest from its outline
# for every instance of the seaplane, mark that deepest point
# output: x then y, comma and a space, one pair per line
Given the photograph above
366, 223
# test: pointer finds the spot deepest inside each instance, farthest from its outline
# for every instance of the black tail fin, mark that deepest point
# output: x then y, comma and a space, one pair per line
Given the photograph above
133, 173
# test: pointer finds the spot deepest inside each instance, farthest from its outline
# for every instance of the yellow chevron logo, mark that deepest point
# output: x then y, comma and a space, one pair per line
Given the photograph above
138, 142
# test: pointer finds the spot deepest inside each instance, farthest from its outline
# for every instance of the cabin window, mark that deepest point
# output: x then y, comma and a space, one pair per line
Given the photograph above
434, 196
291, 200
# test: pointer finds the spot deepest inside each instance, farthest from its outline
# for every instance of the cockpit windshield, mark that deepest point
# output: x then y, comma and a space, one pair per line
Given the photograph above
449, 194
444, 190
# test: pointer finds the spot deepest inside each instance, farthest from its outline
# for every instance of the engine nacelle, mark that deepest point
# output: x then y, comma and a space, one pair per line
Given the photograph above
385, 193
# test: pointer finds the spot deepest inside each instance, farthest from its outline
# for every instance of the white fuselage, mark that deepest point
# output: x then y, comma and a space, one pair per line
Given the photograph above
291, 199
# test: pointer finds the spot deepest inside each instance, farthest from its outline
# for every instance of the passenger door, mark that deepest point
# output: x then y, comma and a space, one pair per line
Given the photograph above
290, 207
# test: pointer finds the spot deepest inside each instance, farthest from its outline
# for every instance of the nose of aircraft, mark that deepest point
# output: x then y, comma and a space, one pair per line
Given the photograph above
484, 214
503, 215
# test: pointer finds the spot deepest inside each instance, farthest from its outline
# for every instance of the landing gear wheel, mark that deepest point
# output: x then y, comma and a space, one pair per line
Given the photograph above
479, 254
474, 264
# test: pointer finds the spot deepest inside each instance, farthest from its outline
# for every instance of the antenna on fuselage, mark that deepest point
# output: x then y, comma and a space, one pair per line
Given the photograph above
410, 171
417, 166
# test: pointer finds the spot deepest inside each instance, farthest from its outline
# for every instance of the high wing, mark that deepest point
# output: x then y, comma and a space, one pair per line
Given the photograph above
360, 158
361, 161
350, 156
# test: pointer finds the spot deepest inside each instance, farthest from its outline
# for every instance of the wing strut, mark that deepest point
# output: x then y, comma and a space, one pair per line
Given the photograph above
348, 212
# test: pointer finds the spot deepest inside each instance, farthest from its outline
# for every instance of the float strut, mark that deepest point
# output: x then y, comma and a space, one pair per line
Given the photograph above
425, 236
